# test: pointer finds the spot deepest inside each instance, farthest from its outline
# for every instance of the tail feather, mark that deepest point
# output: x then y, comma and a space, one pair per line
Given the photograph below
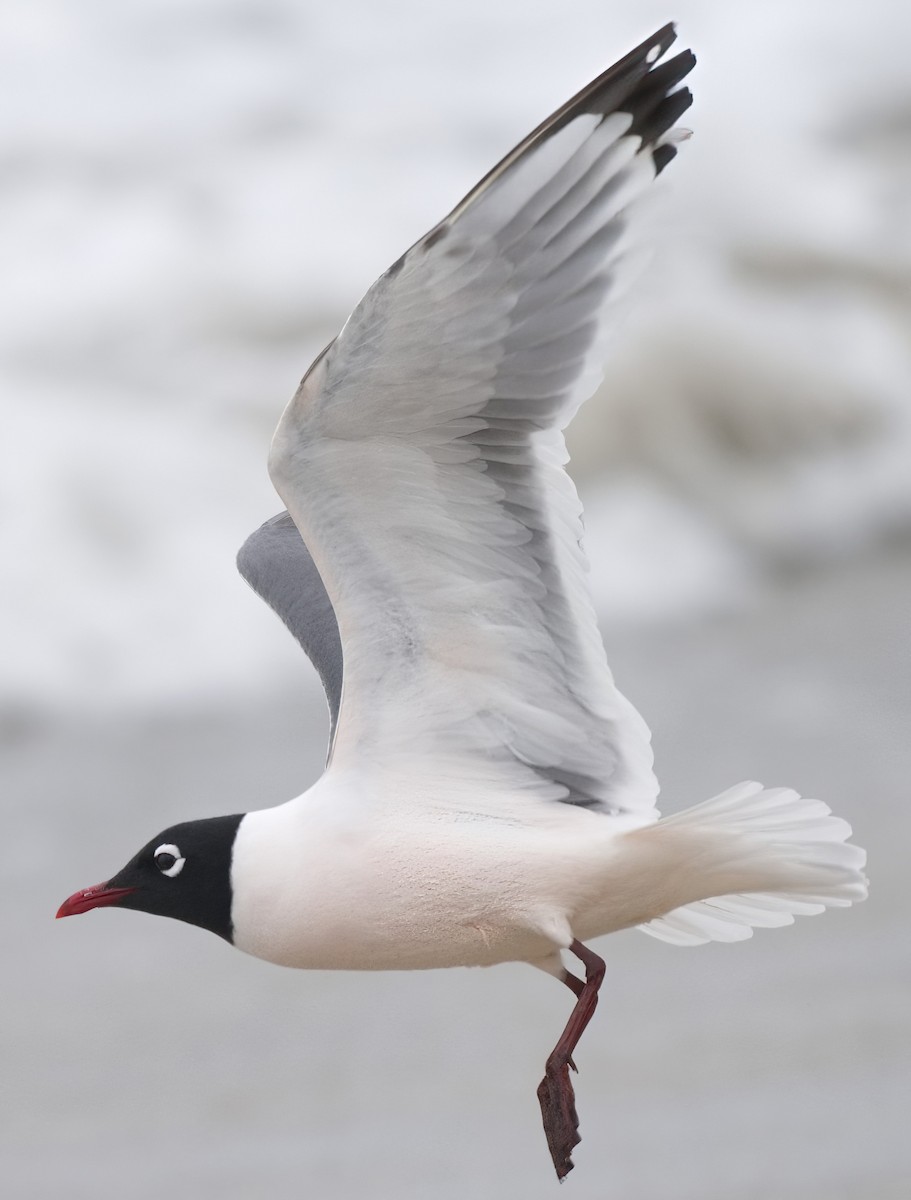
791, 852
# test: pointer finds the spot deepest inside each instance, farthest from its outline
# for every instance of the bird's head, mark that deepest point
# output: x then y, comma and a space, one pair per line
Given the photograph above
184, 872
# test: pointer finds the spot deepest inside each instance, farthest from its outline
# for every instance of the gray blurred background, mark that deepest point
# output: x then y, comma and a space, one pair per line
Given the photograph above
194, 195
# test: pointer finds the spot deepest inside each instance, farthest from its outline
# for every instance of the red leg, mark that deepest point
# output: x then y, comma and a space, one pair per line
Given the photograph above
574, 984
555, 1092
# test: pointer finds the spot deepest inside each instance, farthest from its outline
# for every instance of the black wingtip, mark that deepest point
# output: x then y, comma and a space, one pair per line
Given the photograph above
655, 107
635, 84
662, 155
655, 114
663, 38
641, 84
633, 79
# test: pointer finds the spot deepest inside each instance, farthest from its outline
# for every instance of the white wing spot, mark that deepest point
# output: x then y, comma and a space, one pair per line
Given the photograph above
675, 136
653, 54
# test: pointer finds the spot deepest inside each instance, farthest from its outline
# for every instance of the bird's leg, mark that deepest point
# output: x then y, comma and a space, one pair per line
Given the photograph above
575, 985
555, 1092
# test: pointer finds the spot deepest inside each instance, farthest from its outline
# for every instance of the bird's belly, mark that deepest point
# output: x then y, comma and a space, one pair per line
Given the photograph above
442, 895
405, 944
387, 922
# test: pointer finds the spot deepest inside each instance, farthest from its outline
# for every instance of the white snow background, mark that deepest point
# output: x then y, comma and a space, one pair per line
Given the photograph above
196, 192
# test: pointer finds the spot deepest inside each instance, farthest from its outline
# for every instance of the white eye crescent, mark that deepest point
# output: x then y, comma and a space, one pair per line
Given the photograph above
169, 860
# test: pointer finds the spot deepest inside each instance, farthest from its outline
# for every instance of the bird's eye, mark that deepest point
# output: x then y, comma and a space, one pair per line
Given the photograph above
169, 860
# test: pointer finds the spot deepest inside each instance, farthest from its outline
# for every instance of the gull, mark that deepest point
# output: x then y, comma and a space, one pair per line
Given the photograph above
489, 794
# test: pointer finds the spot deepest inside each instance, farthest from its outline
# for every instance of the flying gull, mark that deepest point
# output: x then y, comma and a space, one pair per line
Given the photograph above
489, 794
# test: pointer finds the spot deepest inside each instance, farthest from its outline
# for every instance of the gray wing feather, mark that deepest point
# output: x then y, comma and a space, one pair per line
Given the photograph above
422, 459
277, 565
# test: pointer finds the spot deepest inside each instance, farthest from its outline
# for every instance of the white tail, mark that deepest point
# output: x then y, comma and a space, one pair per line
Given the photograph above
790, 852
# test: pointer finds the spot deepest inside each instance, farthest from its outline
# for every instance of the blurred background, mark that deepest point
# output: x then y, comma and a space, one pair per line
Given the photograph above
194, 195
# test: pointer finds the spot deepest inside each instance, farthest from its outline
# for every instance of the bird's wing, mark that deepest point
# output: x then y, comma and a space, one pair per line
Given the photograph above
278, 566
422, 460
